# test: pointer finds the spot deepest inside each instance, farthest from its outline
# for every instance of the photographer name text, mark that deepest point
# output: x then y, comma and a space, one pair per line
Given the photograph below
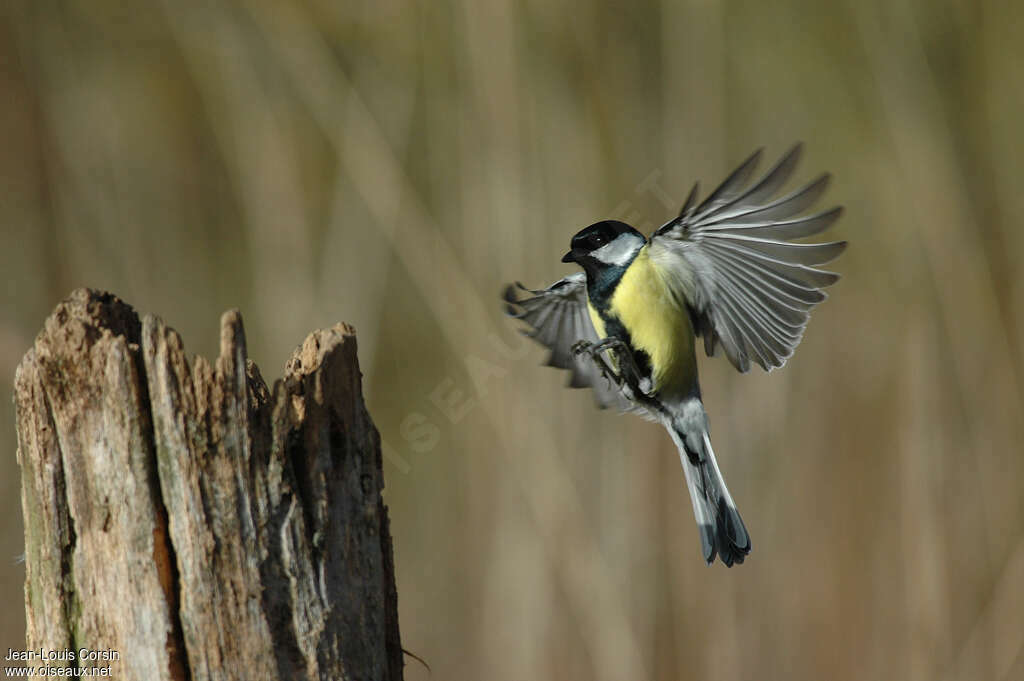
61, 655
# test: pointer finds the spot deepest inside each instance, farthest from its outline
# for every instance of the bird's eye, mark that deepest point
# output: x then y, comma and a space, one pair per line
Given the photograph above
597, 240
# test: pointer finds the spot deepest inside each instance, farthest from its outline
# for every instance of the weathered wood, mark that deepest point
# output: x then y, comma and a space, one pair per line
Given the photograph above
197, 522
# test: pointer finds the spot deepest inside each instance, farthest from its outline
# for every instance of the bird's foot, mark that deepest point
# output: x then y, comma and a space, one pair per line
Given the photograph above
628, 378
582, 347
593, 351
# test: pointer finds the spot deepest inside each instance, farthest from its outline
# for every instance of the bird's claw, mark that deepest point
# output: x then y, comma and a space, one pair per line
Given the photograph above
628, 380
581, 347
593, 351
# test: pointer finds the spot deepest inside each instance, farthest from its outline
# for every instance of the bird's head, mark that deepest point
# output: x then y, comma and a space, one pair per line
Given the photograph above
605, 244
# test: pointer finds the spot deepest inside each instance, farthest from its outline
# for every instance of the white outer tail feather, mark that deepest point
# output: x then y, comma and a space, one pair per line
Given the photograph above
721, 528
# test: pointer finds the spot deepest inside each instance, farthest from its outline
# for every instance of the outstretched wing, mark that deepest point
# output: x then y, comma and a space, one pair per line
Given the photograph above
558, 319
732, 261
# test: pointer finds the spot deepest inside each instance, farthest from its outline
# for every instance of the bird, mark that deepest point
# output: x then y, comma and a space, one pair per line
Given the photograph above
727, 271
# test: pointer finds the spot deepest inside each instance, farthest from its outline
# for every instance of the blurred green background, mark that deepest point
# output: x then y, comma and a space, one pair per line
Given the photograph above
393, 164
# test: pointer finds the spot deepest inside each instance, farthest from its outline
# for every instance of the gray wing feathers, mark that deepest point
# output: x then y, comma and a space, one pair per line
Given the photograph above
794, 203
558, 319
730, 259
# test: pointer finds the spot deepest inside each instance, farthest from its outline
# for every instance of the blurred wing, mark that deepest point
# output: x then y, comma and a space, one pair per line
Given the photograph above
731, 260
558, 318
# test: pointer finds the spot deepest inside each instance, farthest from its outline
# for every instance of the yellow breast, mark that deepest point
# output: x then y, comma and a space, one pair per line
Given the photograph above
595, 317
656, 324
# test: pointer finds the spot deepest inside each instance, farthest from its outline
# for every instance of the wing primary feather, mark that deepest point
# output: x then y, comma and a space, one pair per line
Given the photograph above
787, 206
733, 341
689, 206
691, 201
799, 276
780, 289
559, 356
774, 179
801, 254
766, 330
796, 228
759, 312
757, 340
709, 343
791, 314
784, 329
541, 319
731, 186
781, 266
800, 295
757, 322
743, 325
547, 327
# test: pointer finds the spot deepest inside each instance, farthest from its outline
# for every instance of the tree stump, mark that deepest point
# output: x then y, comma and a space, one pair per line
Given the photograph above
192, 520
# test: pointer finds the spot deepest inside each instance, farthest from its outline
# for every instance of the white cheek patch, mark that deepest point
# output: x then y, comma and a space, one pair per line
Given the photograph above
620, 251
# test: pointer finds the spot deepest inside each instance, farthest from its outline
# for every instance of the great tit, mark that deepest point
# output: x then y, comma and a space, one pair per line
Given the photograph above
724, 270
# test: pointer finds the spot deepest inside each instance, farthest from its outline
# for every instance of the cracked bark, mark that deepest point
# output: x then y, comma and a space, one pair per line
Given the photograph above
196, 521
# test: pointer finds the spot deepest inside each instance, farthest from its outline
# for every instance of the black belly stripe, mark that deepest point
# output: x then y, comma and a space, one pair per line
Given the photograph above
614, 328
600, 288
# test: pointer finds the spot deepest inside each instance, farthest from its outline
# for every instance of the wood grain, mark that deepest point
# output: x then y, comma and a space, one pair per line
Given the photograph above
201, 523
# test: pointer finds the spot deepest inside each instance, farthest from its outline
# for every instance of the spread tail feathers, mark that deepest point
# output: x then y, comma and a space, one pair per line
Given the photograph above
721, 529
